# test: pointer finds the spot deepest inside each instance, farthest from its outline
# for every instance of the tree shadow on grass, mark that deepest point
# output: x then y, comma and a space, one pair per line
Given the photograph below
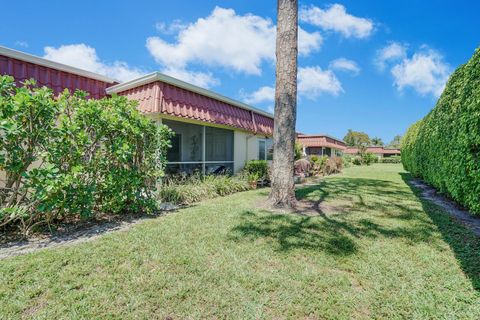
465, 244
336, 228
290, 232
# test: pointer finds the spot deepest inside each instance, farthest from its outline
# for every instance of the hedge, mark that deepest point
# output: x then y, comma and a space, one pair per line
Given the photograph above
444, 147
68, 156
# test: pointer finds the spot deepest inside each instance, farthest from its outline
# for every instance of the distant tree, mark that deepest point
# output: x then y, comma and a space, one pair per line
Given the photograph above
357, 139
395, 143
376, 141
283, 186
298, 151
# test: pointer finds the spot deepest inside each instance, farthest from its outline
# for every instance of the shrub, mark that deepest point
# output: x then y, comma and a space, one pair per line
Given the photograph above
302, 167
318, 164
347, 160
298, 151
444, 147
357, 160
72, 156
338, 162
331, 166
392, 159
195, 188
258, 167
367, 158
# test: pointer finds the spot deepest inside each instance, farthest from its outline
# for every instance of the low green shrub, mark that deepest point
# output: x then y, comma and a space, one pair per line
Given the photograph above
70, 156
192, 189
367, 158
357, 160
392, 159
347, 160
318, 164
444, 147
338, 163
257, 167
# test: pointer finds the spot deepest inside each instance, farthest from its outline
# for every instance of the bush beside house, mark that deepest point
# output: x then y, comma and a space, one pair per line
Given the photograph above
69, 156
444, 147
192, 189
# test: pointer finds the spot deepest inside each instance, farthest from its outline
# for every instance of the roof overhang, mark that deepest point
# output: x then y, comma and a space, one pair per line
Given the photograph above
158, 76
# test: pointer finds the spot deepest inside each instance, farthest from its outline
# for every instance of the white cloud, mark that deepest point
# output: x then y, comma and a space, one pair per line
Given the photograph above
85, 57
425, 72
343, 64
237, 42
263, 94
393, 51
313, 81
308, 42
335, 18
171, 28
23, 44
201, 79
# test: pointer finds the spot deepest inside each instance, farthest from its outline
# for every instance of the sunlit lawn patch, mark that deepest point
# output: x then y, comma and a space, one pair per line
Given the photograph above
363, 246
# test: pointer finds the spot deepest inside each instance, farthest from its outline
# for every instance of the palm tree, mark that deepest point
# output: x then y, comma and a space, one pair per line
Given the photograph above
283, 188
376, 141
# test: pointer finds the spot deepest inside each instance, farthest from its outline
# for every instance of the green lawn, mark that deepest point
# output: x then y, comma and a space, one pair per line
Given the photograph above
367, 248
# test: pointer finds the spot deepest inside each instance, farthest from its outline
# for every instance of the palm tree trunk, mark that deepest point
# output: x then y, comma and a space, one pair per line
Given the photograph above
283, 188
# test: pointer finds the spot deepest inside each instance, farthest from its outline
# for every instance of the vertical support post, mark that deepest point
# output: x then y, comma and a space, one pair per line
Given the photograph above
204, 147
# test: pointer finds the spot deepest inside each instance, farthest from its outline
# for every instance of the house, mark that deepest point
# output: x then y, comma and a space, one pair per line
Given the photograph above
214, 133
321, 145
380, 152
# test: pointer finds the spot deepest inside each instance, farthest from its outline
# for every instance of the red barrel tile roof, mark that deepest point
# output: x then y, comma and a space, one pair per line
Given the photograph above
166, 98
319, 141
57, 78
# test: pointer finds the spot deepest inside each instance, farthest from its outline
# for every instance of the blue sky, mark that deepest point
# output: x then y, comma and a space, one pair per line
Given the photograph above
373, 66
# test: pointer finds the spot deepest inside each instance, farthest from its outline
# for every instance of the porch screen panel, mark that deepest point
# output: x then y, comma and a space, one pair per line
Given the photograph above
218, 151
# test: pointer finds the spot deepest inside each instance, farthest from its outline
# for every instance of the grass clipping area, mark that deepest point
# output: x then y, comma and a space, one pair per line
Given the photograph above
365, 246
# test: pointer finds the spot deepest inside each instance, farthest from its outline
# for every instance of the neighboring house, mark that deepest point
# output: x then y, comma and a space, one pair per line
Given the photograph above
321, 145
213, 132
381, 152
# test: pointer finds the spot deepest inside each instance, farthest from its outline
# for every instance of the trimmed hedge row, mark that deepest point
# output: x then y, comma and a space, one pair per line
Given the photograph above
68, 156
444, 147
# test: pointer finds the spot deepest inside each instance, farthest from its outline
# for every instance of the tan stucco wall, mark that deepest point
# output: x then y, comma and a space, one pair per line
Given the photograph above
245, 148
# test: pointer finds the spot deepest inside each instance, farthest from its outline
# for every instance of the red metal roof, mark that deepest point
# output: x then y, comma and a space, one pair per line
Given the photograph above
155, 93
375, 150
318, 141
55, 79
160, 97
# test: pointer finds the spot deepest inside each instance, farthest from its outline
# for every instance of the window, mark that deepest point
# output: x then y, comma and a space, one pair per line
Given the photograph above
265, 149
199, 149
269, 146
261, 150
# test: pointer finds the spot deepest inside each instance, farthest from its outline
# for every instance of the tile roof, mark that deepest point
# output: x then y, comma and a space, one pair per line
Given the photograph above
320, 140
164, 98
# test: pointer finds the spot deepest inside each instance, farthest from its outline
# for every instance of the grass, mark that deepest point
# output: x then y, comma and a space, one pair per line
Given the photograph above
365, 247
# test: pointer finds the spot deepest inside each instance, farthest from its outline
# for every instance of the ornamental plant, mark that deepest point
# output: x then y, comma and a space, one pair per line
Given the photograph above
444, 147
70, 156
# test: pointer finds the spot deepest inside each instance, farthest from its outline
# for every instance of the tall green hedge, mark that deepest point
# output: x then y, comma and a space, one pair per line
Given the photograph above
444, 147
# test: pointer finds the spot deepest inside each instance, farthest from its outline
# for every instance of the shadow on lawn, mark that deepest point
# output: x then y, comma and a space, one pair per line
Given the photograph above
465, 244
334, 215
